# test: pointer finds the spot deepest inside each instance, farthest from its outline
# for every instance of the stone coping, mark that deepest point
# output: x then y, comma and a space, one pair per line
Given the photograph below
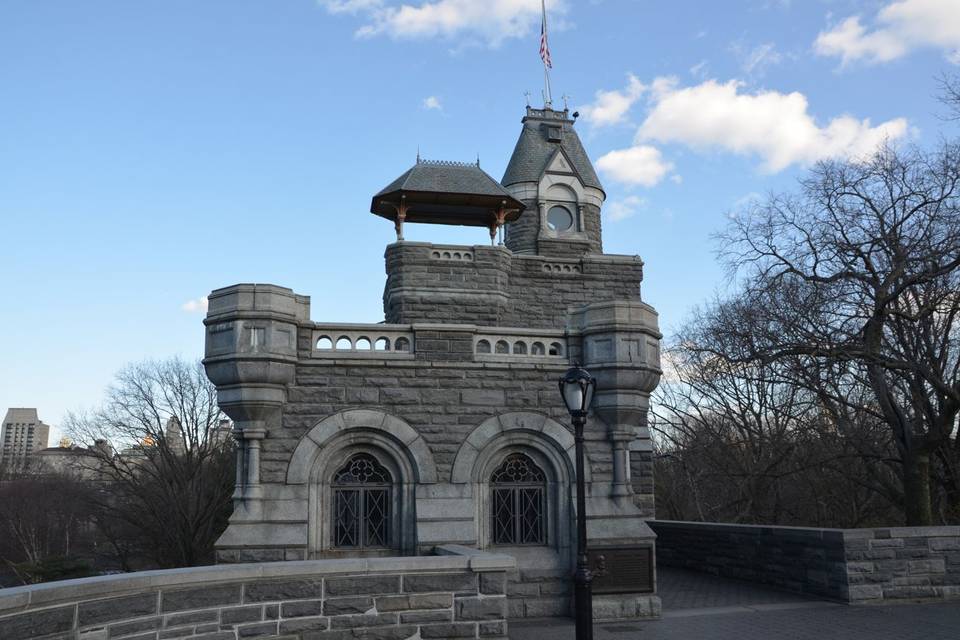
449, 558
884, 532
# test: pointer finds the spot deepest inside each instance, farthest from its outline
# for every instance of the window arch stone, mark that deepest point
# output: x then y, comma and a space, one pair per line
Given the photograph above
355, 421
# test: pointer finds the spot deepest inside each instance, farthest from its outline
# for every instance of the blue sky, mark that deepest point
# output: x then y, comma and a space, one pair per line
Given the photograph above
153, 150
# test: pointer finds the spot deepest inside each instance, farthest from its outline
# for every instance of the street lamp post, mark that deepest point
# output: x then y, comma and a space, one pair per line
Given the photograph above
576, 389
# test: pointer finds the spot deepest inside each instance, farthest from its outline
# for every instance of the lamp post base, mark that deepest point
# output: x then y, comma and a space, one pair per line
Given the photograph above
583, 601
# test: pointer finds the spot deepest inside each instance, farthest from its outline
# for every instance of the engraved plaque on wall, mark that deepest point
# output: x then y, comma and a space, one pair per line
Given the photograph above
621, 569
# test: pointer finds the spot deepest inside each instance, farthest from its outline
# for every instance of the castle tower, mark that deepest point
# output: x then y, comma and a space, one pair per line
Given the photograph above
551, 174
444, 425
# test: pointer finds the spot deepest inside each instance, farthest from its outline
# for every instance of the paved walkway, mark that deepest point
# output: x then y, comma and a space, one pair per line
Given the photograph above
698, 606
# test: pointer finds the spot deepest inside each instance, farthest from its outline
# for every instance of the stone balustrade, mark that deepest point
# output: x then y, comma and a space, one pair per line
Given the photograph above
850, 565
514, 344
362, 341
458, 594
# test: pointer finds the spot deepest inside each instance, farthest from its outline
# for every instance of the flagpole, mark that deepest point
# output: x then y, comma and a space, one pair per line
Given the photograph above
548, 99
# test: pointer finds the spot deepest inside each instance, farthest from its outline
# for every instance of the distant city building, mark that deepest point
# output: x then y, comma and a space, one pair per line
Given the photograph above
23, 434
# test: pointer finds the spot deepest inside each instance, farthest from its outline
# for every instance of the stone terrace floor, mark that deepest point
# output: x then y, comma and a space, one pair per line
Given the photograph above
700, 606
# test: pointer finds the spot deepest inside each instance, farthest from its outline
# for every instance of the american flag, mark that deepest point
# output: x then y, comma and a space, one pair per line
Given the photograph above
544, 47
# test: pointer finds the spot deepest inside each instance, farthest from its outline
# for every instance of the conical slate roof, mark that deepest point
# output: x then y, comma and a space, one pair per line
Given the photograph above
538, 143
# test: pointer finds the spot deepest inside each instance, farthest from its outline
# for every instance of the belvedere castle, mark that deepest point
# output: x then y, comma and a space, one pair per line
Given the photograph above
444, 424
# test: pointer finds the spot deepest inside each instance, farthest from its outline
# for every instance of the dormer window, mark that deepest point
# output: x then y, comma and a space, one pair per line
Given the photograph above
553, 134
559, 218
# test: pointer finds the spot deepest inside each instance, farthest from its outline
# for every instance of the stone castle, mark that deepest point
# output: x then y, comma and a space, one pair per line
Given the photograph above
444, 424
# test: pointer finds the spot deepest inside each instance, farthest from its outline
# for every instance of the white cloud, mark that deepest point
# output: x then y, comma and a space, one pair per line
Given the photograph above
700, 69
775, 126
899, 27
638, 165
611, 107
492, 20
755, 61
195, 306
625, 208
350, 6
432, 102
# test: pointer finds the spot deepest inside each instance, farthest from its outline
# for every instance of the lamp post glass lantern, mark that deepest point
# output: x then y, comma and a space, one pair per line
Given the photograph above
576, 389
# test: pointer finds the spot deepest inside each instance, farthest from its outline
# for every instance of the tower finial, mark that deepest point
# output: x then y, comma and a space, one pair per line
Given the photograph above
527, 95
418, 154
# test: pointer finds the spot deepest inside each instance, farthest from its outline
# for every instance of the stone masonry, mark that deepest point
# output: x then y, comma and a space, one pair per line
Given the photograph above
850, 565
458, 595
460, 379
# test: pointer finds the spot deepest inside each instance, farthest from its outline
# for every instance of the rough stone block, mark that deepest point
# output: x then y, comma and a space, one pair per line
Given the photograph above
363, 620
36, 623
492, 628
241, 614
259, 630
194, 617
454, 630
483, 397
492, 608
300, 625
282, 590
493, 583
403, 632
416, 617
416, 601
457, 582
109, 609
363, 585
125, 629
301, 609
344, 606
200, 597
216, 635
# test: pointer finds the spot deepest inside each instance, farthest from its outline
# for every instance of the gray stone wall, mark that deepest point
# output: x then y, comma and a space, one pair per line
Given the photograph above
443, 397
495, 287
454, 596
851, 565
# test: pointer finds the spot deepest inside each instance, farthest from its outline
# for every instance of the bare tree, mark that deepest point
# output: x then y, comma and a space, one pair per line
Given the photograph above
747, 440
861, 268
171, 481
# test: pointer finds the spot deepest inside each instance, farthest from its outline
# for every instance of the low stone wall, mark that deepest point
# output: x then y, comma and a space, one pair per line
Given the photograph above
851, 565
458, 595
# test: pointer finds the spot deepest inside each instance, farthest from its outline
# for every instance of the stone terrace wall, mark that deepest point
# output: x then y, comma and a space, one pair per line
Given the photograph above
495, 287
852, 565
451, 596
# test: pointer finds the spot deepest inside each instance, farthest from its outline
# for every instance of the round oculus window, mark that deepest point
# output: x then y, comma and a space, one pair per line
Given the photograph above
559, 219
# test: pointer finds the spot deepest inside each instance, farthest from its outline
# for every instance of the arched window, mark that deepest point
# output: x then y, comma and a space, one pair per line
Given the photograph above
362, 504
519, 505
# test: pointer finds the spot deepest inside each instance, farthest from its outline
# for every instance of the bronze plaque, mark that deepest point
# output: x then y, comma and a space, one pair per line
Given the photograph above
621, 569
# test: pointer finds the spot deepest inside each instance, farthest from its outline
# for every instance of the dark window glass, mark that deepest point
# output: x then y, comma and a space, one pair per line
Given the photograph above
559, 218
361, 503
518, 502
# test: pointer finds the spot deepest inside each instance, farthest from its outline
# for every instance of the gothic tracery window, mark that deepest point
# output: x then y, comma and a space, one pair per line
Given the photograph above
518, 492
361, 503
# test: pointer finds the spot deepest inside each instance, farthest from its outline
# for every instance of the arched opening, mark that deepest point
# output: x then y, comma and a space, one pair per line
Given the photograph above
362, 492
518, 502
483, 346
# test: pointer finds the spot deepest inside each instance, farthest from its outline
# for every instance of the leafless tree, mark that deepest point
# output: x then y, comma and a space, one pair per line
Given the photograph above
170, 479
739, 440
861, 270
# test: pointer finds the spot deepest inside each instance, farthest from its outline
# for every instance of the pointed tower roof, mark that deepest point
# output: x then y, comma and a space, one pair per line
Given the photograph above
544, 132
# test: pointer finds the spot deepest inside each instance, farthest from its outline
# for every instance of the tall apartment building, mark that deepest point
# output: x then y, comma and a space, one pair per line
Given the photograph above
23, 434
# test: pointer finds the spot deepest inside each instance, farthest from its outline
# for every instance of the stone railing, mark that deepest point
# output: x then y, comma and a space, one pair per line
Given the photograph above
851, 565
456, 253
362, 341
517, 343
460, 594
